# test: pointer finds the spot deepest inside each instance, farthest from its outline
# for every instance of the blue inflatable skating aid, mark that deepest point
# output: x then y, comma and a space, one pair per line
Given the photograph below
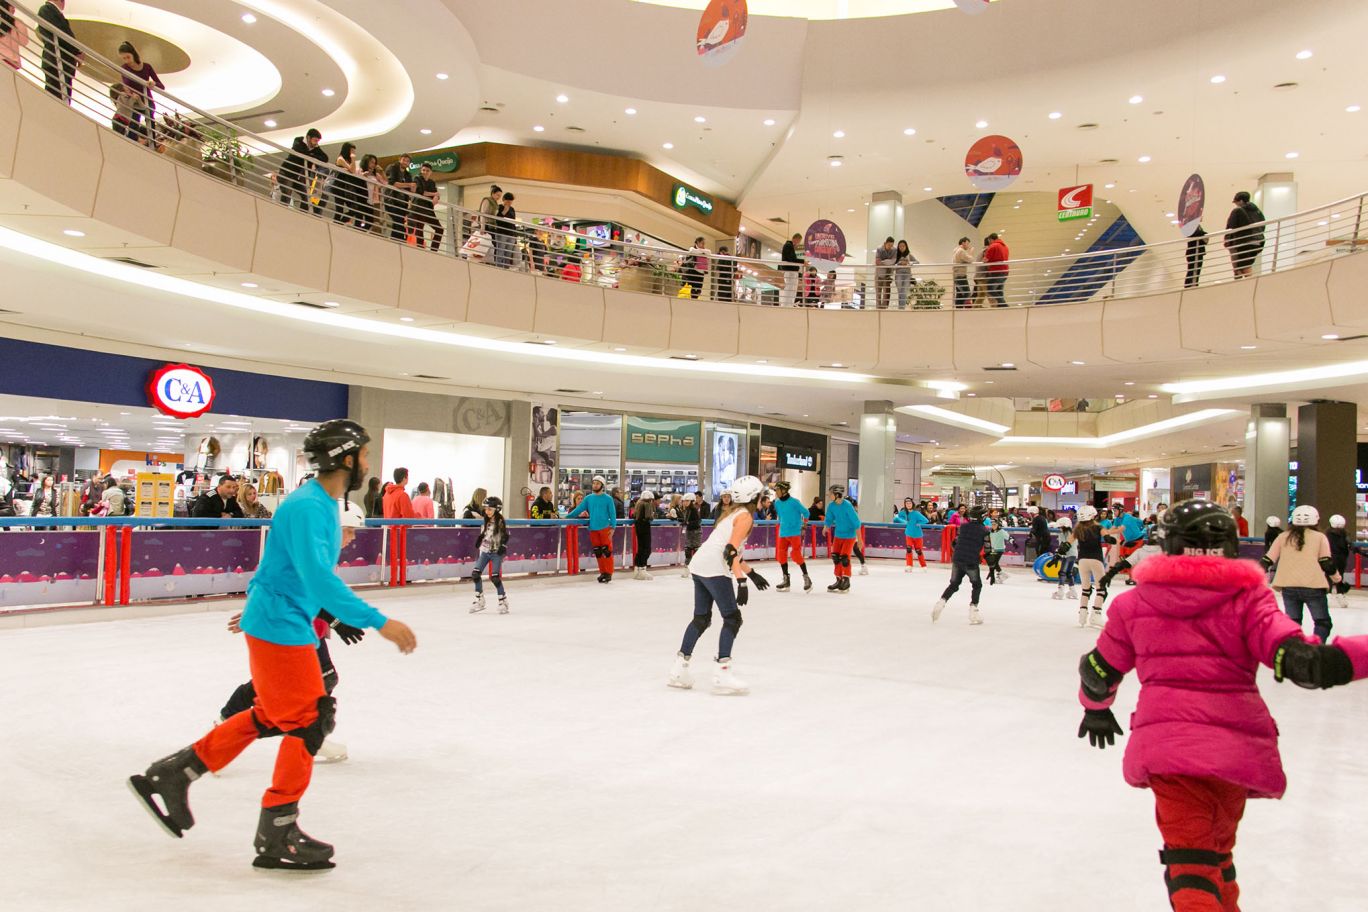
1050, 574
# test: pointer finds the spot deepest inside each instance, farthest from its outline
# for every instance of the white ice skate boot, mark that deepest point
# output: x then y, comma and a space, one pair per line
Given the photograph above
1097, 620
1341, 600
331, 752
680, 676
1083, 616
478, 604
1058, 594
503, 604
725, 681
909, 569
864, 571
937, 609
1073, 593
974, 616
684, 574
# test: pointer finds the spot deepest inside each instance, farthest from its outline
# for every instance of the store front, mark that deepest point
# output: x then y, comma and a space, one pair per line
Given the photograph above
798, 457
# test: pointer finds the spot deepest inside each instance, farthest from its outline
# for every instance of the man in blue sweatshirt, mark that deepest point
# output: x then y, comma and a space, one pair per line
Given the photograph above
602, 511
844, 524
793, 518
296, 577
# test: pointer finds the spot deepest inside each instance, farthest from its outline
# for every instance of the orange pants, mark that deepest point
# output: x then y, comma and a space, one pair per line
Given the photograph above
791, 544
1198, 817
914, 551
603, 538
288, 684
841, 549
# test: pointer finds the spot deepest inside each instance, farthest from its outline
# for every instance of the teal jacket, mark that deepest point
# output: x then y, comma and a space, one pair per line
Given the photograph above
792, 514
912, 521
842, 519
601, 510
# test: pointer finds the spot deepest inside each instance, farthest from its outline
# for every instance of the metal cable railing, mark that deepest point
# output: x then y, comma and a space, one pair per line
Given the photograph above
312, 182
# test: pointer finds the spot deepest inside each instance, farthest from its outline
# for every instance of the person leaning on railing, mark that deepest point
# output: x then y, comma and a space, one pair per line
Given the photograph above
300, 169
791, 267
399, 177
424, 211
60, 57
138, 83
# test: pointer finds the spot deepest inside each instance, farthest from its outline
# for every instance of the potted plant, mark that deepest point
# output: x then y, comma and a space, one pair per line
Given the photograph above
224, 156
927, 294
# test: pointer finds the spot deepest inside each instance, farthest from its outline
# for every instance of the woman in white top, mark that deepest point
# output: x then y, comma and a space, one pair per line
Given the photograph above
963, 258
1305, 570
713, 568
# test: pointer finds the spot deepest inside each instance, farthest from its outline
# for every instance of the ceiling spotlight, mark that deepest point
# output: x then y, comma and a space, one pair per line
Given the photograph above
443, 76
619, 349
1078, 363
910, 131
630, 111
835, 163
700, 119
769, 121
1007, 364
1353, 109
1136, 99
1055, 115
839, 134
425, 131
1129, 383
406, 319
249, 18
981, 124
1144, 159
72, 232
1153, 396
562, 98
1248, 348
850, 210
1292, 155
1330, 337
328, 93
269, 124
1110, 186
667, 145
926, 189
1217, 79
249, 284
1303, 55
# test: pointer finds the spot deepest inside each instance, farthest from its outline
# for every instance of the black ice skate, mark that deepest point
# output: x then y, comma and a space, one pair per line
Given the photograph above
169, 779
836, 586
845, 585
784, 586
281, 845
807, 583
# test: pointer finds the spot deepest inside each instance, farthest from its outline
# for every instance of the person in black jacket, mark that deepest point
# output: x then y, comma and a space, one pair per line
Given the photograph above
792, 269
60, 57
221, 504
1039, 537
1196, 253
544, 507
965, 562
1246, 238
493, 548
1340, 549
297, 173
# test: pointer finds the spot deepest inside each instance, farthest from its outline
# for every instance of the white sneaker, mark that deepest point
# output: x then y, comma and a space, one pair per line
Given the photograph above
680, 676
864, 571
1097, 620
503, 604
1058, 595
331, 752
478, 604
937, 609
725, 681
974, 616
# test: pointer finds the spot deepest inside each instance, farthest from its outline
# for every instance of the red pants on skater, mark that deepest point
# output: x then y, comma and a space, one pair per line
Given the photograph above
790, 545
601, 544
914, 550
1199, 814
841, 549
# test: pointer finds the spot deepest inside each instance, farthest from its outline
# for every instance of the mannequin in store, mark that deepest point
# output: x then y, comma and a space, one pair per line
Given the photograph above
208, 453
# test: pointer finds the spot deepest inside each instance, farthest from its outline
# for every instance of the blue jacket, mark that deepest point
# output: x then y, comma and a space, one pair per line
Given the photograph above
601, 510
1132, 528
298, 574
913, 520
842, 519
792, 514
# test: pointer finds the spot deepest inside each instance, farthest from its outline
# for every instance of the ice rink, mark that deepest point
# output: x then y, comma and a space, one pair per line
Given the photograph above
538, 762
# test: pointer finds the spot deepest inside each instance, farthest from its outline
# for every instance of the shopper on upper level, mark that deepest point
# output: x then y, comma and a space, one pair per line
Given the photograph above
996, 255
505, 232
60, 57
396, 501
791, 266
424, 210
399, 177
1246, 238
963, 260
885, 258
489, 208
301, 169
902, 273
724, 275
139, 81
693, 265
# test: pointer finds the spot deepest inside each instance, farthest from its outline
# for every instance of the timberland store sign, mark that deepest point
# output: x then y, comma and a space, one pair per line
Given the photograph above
684, 197
445, 162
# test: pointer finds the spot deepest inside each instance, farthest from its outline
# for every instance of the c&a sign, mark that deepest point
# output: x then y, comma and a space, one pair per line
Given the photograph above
180, 391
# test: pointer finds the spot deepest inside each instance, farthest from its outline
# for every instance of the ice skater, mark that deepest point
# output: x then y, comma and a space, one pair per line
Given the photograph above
643, 514
844, 525
997, 546
1196, 629
296, 575
492, 551
1088, 543
1340, 549
965, 562
793, 521
913, 521
1066, 560
1305, 570
601, 510
1149, 549
717, 563
691, 520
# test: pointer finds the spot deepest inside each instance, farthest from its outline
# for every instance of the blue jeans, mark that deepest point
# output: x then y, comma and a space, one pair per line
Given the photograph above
1317, 600
495, 562
709, 591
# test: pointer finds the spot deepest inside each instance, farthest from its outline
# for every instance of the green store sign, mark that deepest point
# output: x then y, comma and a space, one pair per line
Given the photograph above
663, 440
446, 162
684, 197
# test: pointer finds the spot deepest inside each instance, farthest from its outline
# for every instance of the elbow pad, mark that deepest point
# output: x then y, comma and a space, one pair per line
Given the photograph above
1266, 562
1099, 678
729, 554
1327, 566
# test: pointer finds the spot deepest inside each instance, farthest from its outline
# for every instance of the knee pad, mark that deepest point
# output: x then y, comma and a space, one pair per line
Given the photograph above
476, 575
909, 549
496, 579
845, 560
701, 622
732, 623
1087, 593
264, 730
313, 734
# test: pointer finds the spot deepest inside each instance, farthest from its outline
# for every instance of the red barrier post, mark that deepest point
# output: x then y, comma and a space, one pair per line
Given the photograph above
403, 555
392, 534
111, 564
1358, 570
125, 566
571, 550
948, 535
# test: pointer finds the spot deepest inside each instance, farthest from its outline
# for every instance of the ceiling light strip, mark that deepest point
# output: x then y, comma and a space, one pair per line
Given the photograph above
951, 417
1137, 433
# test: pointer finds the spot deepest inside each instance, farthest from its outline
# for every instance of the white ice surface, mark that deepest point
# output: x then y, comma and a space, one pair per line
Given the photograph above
538, 762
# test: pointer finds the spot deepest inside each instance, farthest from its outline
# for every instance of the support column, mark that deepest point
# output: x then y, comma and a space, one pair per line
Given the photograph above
885, 220
878, 458
1267, 447
1327, 458
1277, 198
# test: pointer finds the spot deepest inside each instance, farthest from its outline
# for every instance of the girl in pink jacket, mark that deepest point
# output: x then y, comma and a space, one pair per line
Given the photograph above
1196, 628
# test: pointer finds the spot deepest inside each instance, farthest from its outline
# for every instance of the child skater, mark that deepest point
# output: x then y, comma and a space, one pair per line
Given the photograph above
1088, 544
1196, 628
913, 520
997, 545
493, 549
844, 525
965, 562
1067, 561
715, 566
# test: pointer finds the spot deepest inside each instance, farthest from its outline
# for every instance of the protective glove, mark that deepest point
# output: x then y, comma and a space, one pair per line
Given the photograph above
742, 592
1311, 665
1100, 727
760, 582
347, 633
1055, 560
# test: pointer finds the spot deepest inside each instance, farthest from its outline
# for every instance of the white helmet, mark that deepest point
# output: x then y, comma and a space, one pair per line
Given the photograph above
1337, 522
648, 494
1086, 513
1305, 515
746, 489
351, 515
601, 480
1064, 522
1274, 522
687, 498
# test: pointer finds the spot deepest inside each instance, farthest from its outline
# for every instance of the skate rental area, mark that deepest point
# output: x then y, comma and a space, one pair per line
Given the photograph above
667, 455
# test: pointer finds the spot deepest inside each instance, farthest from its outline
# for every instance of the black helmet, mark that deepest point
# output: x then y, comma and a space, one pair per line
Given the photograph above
494, 502
783, 487
977, 513
1199, 527
329, 445
838, 490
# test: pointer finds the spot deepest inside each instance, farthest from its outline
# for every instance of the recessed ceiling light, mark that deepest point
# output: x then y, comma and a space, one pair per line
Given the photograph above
406, 319
425, 131
549, 342
328, 93
1109, 187
910, 131
667, 145
1129, 383
924, 189
837, 364
1217, 79
1153, 395
835, 163
1136, 99
1144, 159
1303, 55
1353, 109
270, 124
562, 98
1055, 115
249, 284
972, 395
538, 129
1078, 363
72, 232
1168, 215
980, 124
442, 76
839, 134
700, 119
598, 392
619, 349
249, 18
850, 210
1292, 155
1008, 364
769, 121
331, 304
762, 361
692, 357
1330, 337
630, 112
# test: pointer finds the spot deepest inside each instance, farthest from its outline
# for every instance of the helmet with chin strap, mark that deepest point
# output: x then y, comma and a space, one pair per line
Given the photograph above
1199, 527
1306, 515
746, 489
329, 445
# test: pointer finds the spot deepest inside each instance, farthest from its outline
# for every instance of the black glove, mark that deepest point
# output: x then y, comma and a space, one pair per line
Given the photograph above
1311, 665
347, 633
1100, 727
760, 582
1055, 560
742, 592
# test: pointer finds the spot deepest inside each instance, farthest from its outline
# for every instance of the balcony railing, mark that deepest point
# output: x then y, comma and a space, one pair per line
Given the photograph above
112, 96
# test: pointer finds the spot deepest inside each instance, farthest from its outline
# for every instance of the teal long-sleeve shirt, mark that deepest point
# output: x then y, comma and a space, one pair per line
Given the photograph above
842, 519
792, 514
298, 574
912, 521
601, 510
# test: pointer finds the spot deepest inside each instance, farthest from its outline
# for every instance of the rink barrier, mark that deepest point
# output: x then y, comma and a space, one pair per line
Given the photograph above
47, 563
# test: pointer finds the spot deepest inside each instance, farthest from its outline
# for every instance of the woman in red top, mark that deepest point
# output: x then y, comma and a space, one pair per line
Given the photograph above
144, 109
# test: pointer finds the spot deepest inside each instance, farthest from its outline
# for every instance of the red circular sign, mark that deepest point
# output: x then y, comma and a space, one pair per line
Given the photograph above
993, 162
1054, 483
180, 391
720, 30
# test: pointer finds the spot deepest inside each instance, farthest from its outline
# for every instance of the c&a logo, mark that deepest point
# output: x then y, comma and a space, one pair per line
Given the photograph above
180, 391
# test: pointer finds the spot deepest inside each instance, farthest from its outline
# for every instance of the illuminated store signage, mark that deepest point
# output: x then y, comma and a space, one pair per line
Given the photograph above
684, 197
802, 460
445, 162
180, 391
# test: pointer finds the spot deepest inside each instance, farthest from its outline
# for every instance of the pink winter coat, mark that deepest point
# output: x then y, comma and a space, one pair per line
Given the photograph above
1196, 630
